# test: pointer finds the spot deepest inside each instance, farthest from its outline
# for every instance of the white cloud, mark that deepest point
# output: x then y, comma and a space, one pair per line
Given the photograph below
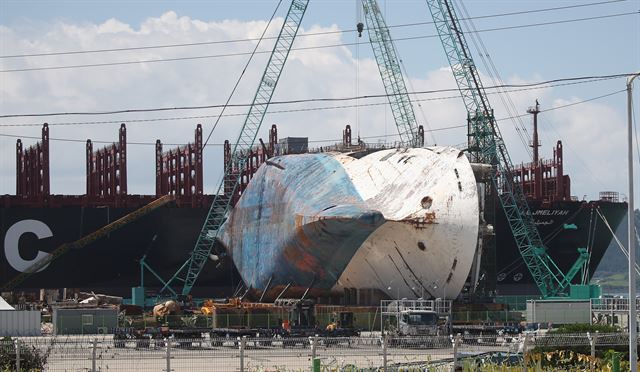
323, 72
595, 135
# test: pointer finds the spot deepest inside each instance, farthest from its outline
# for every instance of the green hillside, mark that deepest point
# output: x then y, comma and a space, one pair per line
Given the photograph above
612, 271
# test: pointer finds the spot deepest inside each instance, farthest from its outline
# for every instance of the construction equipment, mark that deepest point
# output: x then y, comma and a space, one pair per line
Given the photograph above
223, 200
166, 308
223, 323
391, 74
487, 146
64, 248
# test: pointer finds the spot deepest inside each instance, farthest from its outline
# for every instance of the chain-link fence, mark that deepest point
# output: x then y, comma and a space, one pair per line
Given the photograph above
372, 353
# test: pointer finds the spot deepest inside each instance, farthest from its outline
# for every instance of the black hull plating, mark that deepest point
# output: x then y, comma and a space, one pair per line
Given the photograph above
564, 227
111, 264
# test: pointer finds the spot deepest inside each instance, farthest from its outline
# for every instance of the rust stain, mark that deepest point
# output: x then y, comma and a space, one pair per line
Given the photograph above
303, 261
303, 238
429, 218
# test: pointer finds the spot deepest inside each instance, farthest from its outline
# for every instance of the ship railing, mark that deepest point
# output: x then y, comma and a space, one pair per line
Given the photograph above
362, 146
610, 196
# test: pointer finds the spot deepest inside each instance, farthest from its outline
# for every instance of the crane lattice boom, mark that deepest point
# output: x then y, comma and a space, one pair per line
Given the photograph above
389, 67
222, 202
487, 146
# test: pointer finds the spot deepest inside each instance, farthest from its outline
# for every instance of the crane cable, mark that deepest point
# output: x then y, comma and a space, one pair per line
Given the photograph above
525, 86
624, 250
229, 41
519, 262
593, 222
132, 62
321, 108
226, 104
424, 116
357, 43
282, 111
496, 79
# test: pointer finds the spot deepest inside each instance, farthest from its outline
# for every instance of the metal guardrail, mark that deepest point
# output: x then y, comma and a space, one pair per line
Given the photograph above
441, 307
612, 304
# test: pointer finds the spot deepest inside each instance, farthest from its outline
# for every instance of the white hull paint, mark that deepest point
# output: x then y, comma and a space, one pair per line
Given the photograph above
430, 199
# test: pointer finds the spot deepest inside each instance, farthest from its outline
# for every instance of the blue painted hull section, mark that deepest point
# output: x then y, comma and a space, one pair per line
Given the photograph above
300, 222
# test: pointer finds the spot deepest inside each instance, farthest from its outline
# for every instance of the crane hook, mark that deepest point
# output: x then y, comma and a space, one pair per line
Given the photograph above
360, 27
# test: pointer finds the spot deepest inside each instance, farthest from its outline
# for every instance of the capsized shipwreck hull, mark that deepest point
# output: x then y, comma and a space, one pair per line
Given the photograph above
403, 221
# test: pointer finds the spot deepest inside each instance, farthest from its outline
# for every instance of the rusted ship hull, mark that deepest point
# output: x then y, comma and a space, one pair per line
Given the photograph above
401, 221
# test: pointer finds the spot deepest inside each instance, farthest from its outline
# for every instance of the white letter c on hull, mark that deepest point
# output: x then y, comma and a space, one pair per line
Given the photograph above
12, 246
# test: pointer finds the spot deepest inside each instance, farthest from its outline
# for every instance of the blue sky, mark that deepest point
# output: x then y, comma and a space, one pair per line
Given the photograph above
580, 47
591, 131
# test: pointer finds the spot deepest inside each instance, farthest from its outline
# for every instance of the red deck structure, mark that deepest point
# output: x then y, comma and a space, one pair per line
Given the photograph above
32, 169
179, 171
107, 170
254, 158
543, 179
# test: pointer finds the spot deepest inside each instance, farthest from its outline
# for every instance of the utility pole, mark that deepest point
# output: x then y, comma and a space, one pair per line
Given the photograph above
633, 336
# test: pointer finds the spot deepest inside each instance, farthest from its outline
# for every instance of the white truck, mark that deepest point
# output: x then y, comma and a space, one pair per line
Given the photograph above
415, 317
418, 323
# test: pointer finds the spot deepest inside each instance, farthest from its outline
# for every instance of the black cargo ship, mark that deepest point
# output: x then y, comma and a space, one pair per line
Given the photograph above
564, 226
33, 222
564, 222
